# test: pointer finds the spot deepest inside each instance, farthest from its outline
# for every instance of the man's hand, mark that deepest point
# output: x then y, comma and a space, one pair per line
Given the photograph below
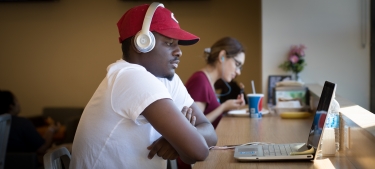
162, 148
187, 112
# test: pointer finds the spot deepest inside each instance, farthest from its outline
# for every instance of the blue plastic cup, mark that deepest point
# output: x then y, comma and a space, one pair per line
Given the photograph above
255, 105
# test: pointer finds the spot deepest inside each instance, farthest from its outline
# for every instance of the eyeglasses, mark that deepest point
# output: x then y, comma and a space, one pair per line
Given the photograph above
237, 63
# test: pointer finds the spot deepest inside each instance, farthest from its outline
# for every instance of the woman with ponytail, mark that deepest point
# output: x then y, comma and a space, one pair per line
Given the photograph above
224, 60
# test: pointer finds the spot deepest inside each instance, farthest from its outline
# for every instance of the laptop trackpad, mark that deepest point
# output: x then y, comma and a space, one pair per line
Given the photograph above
252, 150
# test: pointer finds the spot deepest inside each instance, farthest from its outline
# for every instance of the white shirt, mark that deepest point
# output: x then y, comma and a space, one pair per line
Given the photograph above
111, 132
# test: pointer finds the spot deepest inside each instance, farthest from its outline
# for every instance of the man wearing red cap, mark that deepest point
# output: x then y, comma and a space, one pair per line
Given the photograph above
134, 118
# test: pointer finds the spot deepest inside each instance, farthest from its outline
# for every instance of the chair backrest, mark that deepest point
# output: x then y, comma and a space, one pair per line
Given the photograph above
5, 120
57, 159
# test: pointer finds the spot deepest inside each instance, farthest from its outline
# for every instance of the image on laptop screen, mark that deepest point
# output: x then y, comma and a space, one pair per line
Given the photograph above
321, 114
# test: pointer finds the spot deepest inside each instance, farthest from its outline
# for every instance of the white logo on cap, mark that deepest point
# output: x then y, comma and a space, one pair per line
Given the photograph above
172, 16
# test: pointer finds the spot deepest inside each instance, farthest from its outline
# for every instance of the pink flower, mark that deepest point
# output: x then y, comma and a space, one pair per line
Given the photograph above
294, 59
301, 50
297, 50
301, 53
293, 50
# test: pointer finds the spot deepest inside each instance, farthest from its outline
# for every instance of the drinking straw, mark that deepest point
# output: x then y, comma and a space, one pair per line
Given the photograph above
252, 85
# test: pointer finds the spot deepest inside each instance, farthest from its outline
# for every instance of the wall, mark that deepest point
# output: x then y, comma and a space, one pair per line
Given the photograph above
331, 31
56, 53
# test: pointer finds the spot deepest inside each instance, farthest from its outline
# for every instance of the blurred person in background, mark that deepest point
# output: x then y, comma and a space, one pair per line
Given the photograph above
23, 136
224, 62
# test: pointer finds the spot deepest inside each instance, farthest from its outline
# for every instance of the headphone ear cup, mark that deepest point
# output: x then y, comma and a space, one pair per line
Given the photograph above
144, 42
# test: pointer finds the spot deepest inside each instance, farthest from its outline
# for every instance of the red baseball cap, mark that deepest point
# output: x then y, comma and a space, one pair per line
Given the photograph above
163, 22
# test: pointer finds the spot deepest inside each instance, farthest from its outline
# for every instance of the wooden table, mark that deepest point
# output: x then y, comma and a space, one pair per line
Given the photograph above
270, 128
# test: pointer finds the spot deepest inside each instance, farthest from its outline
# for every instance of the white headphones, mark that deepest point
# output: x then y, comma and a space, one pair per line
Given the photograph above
144, 40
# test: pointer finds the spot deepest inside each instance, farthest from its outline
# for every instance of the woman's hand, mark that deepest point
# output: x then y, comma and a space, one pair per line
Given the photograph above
232, 104
242, 98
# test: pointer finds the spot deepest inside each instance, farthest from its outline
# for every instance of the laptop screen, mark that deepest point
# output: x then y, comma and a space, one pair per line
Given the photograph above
321, 114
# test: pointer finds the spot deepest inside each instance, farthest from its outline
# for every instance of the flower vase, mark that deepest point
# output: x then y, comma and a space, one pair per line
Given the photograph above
297, 77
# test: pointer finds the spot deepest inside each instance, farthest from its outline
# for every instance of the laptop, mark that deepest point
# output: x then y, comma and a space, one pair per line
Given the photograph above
281, 152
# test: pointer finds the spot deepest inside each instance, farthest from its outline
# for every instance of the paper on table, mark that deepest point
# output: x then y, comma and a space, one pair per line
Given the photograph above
240, 112
244, 112
289, 104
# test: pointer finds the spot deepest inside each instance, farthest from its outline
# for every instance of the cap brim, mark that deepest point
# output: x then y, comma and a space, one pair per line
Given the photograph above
183, 37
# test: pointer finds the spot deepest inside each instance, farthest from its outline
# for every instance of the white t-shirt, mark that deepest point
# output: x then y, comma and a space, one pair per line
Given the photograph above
111, 132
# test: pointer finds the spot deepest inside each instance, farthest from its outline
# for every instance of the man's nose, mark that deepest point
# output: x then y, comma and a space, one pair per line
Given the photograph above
177, 52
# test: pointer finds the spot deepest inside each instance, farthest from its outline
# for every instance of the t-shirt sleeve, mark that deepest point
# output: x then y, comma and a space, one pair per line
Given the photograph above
134, 90
198, 87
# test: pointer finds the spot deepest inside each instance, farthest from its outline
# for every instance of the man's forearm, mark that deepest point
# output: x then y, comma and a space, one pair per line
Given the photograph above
204, 126
208, 133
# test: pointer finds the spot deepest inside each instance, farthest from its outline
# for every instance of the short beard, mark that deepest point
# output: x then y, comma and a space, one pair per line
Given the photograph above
170, 77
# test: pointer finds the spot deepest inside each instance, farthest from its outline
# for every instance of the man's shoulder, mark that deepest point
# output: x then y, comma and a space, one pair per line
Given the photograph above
129, 70
122, 64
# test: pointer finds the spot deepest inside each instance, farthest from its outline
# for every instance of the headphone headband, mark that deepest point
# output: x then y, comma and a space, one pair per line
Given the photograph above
148, 17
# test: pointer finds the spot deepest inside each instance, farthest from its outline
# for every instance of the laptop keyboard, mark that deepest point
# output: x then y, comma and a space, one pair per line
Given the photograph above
277, 150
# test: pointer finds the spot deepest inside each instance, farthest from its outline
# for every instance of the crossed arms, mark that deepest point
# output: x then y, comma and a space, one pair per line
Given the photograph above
185, 133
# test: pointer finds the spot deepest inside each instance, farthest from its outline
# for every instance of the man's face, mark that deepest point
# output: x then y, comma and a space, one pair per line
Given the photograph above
164, 58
